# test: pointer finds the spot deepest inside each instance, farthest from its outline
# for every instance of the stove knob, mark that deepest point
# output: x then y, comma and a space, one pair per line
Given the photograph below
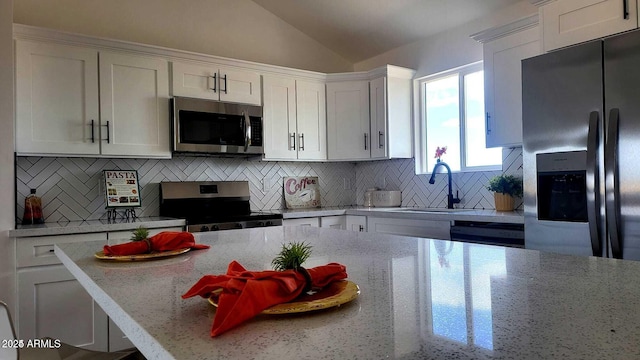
269, 223
215, 228
238, 226
204, 228
260, 224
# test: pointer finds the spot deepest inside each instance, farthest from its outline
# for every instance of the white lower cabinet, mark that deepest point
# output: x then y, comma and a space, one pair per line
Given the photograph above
357, 223
311, 221
334, 222
52, 303
432, 229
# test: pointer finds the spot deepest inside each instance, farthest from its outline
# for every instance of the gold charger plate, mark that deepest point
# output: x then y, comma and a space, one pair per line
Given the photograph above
334, 294
151, 256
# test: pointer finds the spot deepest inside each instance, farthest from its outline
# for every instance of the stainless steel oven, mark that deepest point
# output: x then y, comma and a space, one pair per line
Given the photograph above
213, 205
214, 127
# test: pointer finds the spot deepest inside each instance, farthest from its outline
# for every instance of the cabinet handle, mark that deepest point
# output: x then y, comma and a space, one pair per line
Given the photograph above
215, 81
365, 141
93, 137
488, 124
380, 139
361, 228
107, 131
225, 84
292, 136
625, 9
301, 146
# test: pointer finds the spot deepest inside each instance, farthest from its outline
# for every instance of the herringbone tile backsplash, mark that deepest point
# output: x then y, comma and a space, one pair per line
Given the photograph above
71, 188
416, 190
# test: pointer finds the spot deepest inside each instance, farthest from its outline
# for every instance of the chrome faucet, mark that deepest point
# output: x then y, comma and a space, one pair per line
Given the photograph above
450, 199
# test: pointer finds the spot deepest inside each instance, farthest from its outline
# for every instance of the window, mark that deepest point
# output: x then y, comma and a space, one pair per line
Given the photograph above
452, 116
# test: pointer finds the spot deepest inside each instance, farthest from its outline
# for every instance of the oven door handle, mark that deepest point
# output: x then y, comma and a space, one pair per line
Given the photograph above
247, 131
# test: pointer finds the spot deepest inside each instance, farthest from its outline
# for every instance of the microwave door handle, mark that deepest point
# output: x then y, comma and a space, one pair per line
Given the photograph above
247, 130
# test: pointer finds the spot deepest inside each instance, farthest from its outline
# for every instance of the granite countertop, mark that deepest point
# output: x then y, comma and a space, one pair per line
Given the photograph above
90, 226
419, 299
490, 215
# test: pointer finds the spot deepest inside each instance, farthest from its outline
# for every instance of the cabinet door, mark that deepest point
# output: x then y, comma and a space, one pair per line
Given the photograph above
431, 229
568, 22
313, 221
348, 135
194, 80
134, 105
56, 99
117, 339
357, 223
503, 85
279, 113
334, 222
312, 120
239, 86
53, 303
378, 108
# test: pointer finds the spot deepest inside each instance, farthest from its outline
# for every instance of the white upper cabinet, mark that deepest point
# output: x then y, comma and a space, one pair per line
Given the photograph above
311, 107
56, 99
568, 22
370, 118
348, 132
390, 106
62, 110
210, 81
503, 51
134, 105
279, 118
294, 119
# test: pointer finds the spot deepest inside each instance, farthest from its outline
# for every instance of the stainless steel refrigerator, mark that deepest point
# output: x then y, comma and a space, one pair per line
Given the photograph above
581, 149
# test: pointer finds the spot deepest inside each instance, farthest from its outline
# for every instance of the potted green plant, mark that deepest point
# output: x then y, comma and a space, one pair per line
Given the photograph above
505, 188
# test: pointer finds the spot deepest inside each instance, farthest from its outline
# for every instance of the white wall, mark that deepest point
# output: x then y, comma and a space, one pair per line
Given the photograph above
7, 193
449, 49
238, 29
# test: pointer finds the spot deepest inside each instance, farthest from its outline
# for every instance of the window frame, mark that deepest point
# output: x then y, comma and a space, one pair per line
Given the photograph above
420, 124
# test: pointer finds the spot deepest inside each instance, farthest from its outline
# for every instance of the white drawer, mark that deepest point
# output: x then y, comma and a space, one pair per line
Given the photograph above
38, 250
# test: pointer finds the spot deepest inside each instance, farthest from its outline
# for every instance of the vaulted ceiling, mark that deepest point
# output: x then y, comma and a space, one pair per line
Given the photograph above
360, 29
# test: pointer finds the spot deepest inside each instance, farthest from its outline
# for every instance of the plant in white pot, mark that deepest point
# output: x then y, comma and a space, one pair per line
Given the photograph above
505, 188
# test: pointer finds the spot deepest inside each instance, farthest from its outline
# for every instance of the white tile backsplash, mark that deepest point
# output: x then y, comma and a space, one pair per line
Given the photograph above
71, 187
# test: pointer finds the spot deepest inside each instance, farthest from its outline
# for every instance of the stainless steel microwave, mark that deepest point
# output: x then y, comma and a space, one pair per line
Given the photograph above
214, 127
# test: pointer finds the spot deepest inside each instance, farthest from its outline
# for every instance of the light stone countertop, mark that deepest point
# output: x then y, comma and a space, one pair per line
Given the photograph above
420, 299
490, 215
90, 226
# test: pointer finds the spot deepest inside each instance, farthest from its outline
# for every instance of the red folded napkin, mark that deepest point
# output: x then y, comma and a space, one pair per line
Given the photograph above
164, 241
247, 293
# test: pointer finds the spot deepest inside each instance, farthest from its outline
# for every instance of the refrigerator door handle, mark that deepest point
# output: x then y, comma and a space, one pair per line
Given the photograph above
593, 197
611, 184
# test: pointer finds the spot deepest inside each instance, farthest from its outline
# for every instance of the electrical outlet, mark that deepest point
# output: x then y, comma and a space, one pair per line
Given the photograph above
381, 182
266, 185
346, 183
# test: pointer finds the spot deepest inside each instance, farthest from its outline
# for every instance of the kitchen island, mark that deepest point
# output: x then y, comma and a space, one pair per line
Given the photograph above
420, 298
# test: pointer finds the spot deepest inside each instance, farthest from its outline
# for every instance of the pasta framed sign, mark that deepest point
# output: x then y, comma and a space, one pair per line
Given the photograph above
122, 188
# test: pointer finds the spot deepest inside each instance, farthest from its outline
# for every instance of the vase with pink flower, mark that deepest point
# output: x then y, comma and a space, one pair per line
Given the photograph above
439, 152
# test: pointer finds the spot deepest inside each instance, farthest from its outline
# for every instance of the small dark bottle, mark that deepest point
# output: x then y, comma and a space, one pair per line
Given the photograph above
32, 209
